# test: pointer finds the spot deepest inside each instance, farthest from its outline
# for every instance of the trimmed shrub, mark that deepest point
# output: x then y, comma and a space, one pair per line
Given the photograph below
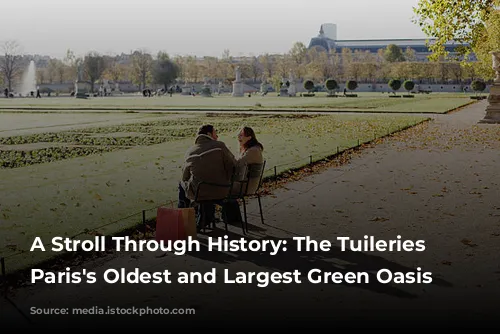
408, 85
351, 85
308, 85
395, 84
331, 85
478, 85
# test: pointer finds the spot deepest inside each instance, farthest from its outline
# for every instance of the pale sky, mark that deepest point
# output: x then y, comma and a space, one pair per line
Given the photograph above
196, 27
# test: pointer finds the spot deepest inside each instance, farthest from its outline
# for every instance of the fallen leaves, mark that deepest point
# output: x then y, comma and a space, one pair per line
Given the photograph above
468, 242
427, 136
379, 219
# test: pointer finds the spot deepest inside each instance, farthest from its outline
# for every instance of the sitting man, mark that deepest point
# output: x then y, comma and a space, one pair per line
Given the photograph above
208, 160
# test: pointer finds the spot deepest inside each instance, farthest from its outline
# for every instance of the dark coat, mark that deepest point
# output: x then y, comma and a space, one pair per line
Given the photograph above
211, 161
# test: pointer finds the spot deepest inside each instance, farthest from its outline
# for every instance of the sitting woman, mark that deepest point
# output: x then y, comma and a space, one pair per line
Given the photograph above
250, 153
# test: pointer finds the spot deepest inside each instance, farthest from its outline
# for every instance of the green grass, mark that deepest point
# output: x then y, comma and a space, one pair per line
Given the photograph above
376, 102
65, 197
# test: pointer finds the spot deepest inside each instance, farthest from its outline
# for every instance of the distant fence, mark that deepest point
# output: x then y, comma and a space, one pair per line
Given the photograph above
66, 88
271, 174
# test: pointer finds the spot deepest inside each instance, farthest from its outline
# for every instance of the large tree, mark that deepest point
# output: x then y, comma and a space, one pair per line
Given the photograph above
142, 63
94, 65
487, 43
393, 54
463, 21
11, 62
164, 71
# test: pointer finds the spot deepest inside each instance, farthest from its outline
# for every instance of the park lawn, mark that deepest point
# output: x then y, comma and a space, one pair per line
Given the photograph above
66, 197
14, 124
434, 105
364, 102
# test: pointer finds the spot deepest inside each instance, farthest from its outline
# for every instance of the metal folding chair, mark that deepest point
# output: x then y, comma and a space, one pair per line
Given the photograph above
253, 171
221, 202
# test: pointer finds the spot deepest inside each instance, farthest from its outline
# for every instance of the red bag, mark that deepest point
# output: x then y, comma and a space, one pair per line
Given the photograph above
175, 224
169, 224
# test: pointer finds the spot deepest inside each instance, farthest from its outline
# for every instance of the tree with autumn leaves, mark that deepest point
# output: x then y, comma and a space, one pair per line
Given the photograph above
474, 23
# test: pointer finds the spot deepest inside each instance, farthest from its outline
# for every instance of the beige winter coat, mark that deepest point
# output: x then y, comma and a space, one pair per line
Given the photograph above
253, 155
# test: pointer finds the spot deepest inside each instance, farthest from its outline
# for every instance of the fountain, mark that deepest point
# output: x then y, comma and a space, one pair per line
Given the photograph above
28, 83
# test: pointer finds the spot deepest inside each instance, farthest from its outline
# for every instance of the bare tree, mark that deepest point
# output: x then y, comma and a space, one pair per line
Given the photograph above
211, 65
71, 61
254, 68
11, 62
52, 70
268, 65
94, 65
298, 54
40, 75
226, 67
142, 63
114, 71
164, 70
61, 71
192, 69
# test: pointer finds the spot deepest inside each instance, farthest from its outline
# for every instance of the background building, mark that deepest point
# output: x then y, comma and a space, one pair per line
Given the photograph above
327, 40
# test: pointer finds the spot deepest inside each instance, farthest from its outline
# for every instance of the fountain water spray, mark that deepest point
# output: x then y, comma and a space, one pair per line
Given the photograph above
28, 83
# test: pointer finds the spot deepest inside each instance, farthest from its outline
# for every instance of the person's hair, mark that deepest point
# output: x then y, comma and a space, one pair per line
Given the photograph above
253, 140
206, 129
